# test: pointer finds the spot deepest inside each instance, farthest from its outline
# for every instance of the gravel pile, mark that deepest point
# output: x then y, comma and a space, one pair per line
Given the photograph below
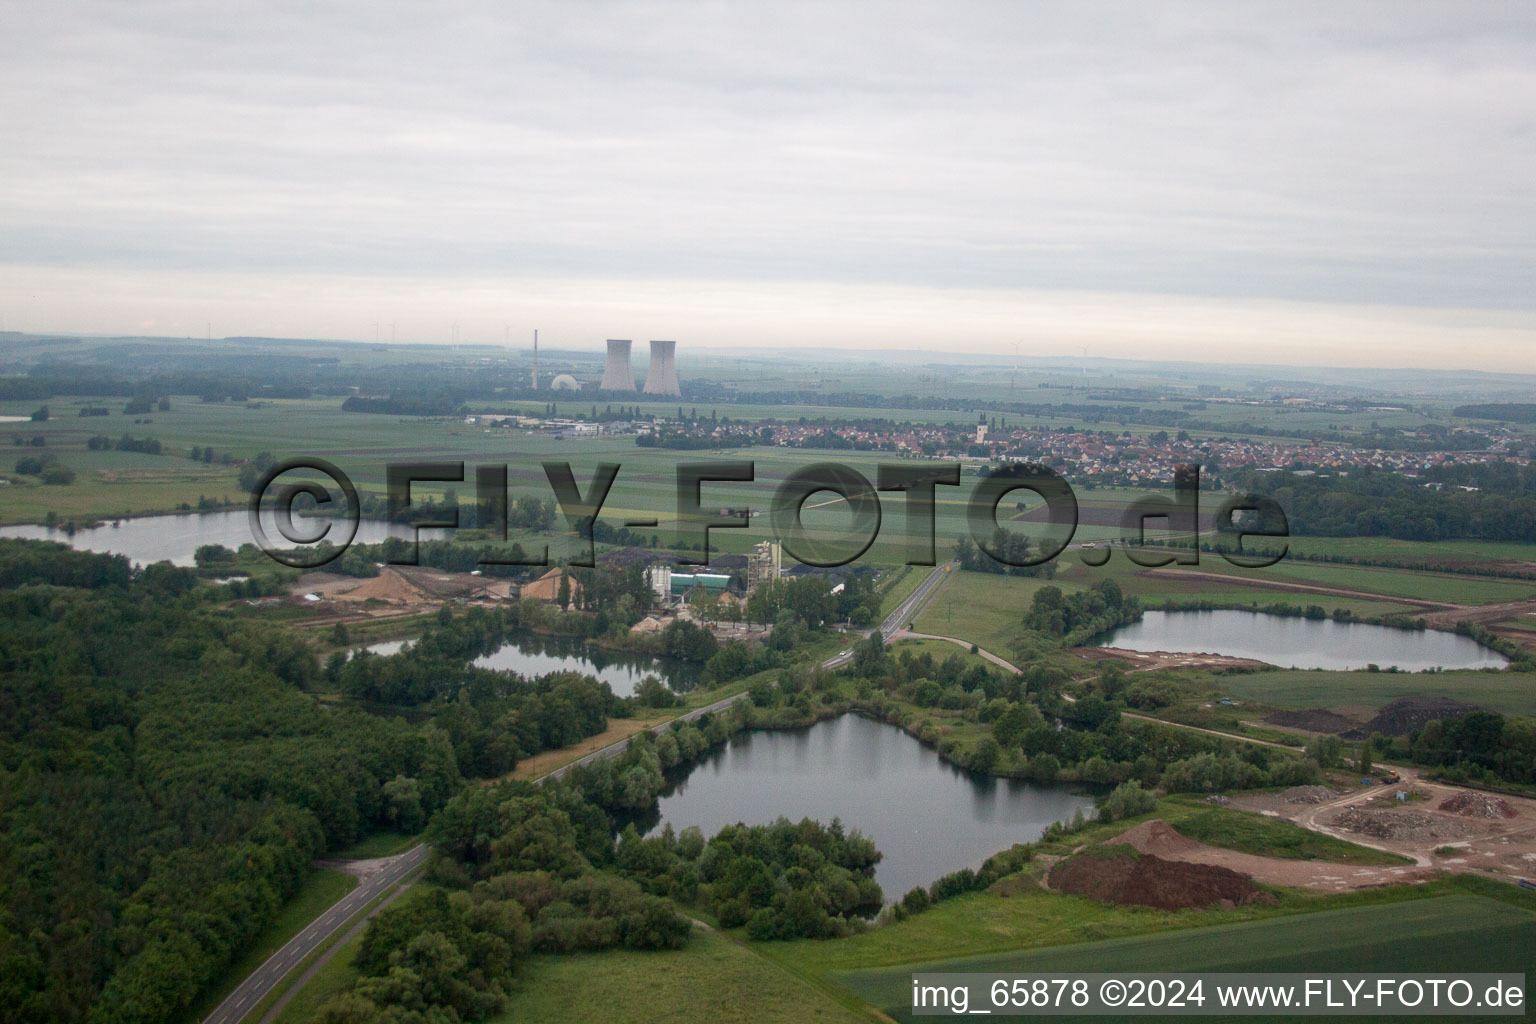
1308, 795
1397, 824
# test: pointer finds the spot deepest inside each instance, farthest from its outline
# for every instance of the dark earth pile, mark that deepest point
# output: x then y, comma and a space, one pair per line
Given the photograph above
1116, 873
1313, 720
1406, 714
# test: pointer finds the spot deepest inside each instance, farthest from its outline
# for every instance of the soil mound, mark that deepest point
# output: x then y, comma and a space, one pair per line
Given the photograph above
1402, 716
1313, 720
1158, 838
1308, 795
1477, 805
1118, 873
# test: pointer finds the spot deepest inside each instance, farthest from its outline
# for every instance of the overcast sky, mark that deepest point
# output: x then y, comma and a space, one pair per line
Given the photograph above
1330, 184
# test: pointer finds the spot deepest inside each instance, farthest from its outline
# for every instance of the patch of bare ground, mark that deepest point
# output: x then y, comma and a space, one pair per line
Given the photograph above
1143, 879
1146, 661
1399, 824
1160, 839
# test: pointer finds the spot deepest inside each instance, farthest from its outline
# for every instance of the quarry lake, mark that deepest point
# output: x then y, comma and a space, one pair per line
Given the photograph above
174, 538
926, 816
1303, 643
536, 656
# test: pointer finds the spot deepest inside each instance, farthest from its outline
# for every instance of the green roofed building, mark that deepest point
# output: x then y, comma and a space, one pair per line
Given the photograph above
708, 582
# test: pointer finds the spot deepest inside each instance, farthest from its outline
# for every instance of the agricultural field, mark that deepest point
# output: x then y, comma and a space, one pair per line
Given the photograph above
1450, 553
1509, 692
714, 978
1451, 932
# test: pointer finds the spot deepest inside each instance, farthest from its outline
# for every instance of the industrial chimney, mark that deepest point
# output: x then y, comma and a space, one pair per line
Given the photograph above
617, 376
661, 377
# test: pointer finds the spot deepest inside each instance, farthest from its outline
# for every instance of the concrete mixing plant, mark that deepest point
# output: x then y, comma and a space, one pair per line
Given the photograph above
617, 375
661, 376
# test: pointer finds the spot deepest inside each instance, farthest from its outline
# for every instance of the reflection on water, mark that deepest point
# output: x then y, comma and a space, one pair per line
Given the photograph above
1303, 643
622, 671
539, 655
927, 817
174, 538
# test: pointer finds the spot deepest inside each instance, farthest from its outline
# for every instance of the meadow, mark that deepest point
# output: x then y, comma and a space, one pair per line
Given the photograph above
716, 978
1452, 932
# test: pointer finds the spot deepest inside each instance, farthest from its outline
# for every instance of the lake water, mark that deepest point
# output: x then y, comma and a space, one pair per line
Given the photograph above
1294, 642
174, 538
536, 656
926, 816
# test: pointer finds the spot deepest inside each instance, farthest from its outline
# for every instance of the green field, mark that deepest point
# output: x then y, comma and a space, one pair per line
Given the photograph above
939, 650
1444, 933
713, 979
1510, 692
1447, 552
984, 608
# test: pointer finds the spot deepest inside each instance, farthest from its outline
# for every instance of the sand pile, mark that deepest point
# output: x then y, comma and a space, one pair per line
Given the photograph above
1158, 838
387, 586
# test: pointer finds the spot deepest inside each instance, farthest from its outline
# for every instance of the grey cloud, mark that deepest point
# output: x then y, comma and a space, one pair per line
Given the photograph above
1369, 153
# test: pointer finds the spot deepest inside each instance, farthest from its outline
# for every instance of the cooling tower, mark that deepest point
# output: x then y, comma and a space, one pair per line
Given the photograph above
661, 377
617, 376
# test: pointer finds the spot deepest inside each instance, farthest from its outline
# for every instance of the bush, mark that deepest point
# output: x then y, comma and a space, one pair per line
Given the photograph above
1126, 801
956, 883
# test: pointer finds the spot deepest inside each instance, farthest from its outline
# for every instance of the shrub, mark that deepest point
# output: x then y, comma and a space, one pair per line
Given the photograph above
1126, 801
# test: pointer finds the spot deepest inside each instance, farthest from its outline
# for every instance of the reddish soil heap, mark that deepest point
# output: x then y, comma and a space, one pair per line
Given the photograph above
1477, 805
1118, 873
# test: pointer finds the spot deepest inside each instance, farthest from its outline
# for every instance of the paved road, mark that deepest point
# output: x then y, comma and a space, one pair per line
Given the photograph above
266, 977
892, 625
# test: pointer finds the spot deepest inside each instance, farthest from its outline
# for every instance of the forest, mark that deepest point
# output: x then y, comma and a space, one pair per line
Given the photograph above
167, 777
1492, 501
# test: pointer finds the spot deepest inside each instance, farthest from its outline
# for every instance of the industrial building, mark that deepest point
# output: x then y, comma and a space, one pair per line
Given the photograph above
617, 376
764, 564
674, 588
661, 375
